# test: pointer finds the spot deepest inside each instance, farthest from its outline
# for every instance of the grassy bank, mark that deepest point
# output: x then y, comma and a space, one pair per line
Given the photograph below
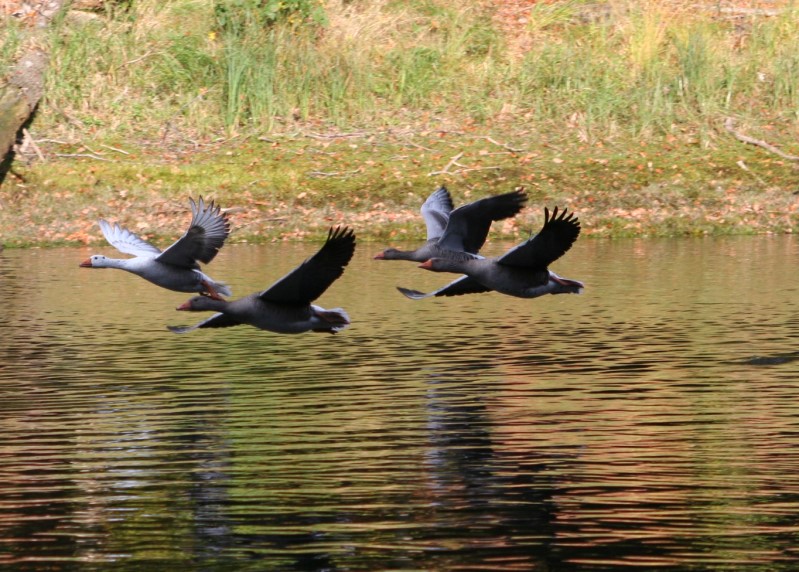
615, 109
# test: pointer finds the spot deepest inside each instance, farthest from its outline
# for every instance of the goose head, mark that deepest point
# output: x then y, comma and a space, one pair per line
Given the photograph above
390, 254
201, 304
96, 261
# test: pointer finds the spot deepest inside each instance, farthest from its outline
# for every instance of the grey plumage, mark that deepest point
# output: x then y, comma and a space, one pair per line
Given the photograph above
177, 267
522, 271
285, 307
458, 233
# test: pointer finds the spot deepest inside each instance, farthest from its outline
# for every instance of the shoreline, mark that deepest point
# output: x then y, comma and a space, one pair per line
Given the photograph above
292, 187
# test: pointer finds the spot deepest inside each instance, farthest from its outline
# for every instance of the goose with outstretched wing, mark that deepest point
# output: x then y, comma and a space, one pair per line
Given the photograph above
458, 233
285, 307
178, 267
522, 271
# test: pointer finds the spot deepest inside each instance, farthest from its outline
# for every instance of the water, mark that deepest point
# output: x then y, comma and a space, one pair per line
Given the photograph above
652, 422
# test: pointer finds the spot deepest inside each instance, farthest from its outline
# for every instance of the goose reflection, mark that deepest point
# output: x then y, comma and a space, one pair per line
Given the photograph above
503, 498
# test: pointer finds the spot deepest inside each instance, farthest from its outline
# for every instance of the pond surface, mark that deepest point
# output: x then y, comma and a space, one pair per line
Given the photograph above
652, 422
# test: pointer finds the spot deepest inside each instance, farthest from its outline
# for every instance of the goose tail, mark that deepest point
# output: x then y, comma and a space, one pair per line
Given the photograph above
332, 321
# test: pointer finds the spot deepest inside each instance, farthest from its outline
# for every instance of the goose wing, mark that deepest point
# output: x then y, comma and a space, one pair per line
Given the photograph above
216, 321
435, 211
310, 279
463, 285
469, 225
125, 241
207, 232
555, 238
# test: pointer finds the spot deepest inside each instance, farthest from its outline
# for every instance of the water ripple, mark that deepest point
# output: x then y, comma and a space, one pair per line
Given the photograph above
649, 423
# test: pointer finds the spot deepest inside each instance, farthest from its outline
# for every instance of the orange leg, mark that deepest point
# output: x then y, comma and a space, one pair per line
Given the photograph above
211, 292
560, 280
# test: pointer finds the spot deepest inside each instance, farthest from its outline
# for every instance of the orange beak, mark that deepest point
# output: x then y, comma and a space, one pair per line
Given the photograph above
184, 306
380, 256
427, 265
86, 263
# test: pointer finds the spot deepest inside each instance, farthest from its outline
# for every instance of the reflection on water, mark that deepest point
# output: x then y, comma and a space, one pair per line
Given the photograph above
650, 422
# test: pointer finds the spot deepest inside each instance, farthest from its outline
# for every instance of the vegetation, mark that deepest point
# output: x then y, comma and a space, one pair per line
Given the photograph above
354, 110
8, 47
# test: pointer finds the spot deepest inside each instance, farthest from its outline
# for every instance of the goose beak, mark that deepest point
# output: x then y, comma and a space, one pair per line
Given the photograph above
380, 256
184, 306
86, 263
427, 265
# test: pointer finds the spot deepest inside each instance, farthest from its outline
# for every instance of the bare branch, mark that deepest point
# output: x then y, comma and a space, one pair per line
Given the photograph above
503, 145
337, 135
488, 168
333, 173
743, 166
28, 141
729, 126
115, 149
87, 155
445, 170
414, 144
135, 60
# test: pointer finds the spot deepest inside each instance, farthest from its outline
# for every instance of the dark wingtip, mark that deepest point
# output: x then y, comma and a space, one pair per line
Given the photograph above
340, 232
412, 294
212, 207
558, 215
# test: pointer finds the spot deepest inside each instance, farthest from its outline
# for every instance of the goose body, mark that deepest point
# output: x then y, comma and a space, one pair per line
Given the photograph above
285, 307
162, 274
460, 233
176, 268
522, 271
264, 315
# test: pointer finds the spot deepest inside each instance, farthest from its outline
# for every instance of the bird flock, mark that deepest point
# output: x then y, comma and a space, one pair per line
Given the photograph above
454, 239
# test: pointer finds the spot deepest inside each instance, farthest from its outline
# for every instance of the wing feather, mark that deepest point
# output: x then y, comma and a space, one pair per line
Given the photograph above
463, 285
216, 321
435, 211
125, 241
469, 224
553, 241
207, 232
310, 279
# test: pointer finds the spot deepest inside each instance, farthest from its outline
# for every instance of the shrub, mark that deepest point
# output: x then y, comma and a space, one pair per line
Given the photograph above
234, 16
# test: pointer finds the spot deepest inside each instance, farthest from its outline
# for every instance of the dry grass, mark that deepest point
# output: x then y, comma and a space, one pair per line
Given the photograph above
615, 108
616, 67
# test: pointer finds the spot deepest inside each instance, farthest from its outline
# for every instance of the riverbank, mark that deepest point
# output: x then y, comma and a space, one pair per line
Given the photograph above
617, 110
293, 186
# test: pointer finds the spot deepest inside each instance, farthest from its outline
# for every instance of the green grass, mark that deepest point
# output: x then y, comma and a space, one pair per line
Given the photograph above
10, 41
610, 111
642, 68
294, 187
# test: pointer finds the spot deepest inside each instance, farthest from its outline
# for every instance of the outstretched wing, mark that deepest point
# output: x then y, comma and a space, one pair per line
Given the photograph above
553, 241
469, 225
216, 321
435, 212
207, 233
310, 279
463, 285
125, 241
